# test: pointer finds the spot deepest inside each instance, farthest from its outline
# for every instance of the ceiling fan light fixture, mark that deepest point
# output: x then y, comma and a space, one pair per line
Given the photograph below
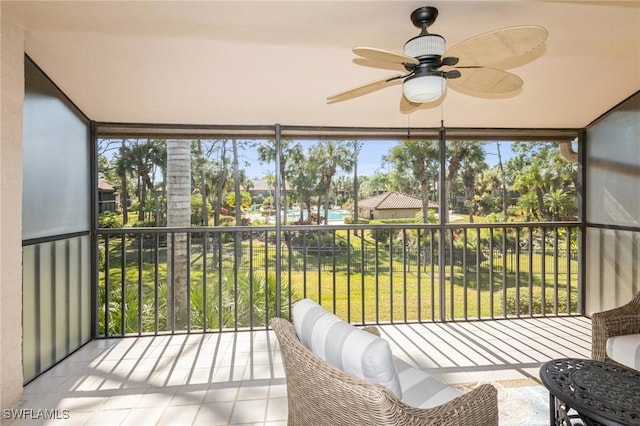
424, 88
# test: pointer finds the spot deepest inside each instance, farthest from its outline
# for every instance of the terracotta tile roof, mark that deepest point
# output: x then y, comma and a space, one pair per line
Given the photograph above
393, 200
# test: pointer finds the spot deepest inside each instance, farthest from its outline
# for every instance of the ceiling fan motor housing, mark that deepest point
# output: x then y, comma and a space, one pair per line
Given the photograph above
425, 45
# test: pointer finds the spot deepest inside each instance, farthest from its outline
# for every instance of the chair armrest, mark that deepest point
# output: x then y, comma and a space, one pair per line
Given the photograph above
478, 407
605, 325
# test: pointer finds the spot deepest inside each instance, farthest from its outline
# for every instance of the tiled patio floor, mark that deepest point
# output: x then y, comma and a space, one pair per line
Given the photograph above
238, 378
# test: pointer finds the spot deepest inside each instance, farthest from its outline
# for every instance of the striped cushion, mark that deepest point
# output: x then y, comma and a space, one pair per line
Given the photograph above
344, 346
421, 390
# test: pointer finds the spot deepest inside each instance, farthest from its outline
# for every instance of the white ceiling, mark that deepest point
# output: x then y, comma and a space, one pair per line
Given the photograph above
265, 62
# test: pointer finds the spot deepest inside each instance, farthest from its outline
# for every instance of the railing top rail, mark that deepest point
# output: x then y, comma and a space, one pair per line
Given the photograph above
330, 227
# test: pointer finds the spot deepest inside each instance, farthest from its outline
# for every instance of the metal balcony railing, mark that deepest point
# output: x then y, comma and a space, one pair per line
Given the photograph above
175, 280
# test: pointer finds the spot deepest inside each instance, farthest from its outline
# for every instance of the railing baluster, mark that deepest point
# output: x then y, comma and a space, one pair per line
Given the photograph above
504, 272
188, 307
491, 311
304, 264
404, 272
362, 274
478, 266
432, 251
333, 268
156, 283
205, 299
289, 270
568, 275
543, 271
107, 280
123, 285
419, 272
319, 259
465, 303
140, 264
517, 271
348, 275
530, 270
220, 277
266, 278
556, 242
173, 284
391, 276
377, 281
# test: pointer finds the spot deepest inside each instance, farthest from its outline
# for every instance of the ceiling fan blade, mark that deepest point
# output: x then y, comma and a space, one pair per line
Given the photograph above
485, 80
497, 46
384, 55
363, 89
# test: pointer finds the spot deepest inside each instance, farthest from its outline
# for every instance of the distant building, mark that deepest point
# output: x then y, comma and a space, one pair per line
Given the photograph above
106, 196
262, 188
391, 205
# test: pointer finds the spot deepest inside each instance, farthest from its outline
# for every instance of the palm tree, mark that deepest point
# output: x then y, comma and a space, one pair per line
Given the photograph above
304, 177
462, 154
558, 203
141, 157
329, 157
421, 157
288, 151
541, 169
178, 215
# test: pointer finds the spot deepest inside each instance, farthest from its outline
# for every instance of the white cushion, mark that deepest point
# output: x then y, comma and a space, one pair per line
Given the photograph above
421, 390
625, 350
344, 346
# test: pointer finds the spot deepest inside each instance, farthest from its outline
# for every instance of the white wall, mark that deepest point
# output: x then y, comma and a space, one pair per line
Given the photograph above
12, 89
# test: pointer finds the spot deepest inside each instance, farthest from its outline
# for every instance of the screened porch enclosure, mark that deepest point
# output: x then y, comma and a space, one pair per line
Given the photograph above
235, 263
84, 280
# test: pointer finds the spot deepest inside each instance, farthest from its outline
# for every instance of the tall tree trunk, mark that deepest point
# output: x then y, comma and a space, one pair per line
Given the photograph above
283, 188
178, 215
238, 205
125, 196
504, 187
326, 204
221, 183
424, 192
203, 188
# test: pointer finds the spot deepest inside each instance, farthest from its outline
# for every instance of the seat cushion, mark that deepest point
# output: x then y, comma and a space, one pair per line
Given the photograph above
625, 350
344, 346
422, 390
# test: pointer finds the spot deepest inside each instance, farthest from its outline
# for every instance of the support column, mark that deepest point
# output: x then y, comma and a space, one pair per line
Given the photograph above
12, 90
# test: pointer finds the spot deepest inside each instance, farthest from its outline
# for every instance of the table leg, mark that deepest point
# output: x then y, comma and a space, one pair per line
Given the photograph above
552, 410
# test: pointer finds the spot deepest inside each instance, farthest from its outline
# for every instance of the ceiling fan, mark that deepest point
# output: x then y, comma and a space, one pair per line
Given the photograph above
429, 67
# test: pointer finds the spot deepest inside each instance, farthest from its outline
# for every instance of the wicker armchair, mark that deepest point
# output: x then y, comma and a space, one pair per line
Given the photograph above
319, 394
615, 322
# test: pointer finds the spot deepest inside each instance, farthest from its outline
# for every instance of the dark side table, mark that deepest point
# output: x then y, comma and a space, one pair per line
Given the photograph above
599, 392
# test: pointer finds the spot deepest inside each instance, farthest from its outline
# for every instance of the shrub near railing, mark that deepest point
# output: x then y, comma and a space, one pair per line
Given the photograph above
532, 304
137, 300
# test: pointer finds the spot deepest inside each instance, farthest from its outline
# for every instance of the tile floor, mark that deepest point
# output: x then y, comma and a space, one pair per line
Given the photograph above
238, 378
